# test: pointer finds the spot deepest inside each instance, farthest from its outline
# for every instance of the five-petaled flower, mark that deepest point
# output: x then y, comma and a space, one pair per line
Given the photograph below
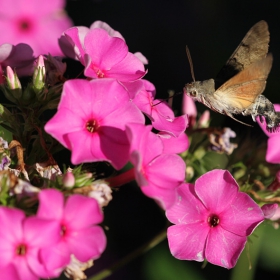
102, 55
156, 172
91, 120
80, 235
212, 220
21, 241
38, 23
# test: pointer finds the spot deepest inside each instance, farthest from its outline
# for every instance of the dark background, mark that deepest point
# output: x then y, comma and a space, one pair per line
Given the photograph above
161, 29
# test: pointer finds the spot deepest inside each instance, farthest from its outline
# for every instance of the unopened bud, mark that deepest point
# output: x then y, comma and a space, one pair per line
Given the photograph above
12, 79
204, 120
68, 180
39, 75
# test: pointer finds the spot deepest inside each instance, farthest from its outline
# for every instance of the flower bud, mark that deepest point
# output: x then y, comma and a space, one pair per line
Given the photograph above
204, 119
68, 180
39, 75
12, 79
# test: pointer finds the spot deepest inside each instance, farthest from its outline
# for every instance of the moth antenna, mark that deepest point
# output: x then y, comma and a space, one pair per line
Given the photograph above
190, 62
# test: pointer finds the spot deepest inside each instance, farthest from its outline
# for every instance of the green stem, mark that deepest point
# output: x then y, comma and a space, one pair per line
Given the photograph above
141, 250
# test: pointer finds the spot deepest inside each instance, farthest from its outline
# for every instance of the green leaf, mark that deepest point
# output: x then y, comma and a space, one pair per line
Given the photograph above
213, 160
6, 134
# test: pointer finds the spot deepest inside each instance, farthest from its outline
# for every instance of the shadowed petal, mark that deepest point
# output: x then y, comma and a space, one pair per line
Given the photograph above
188, 209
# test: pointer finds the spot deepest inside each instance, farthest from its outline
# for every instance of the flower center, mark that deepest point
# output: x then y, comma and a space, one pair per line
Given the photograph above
99, 73
24, 25
63, 230
213, 220
21, 250
92, 126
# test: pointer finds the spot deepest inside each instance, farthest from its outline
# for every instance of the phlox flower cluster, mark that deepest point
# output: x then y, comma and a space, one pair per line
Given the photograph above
28, 252
96, 117
110, 115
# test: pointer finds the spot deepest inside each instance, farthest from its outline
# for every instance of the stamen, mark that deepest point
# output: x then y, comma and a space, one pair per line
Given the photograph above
213, 220
92, 126
21, 250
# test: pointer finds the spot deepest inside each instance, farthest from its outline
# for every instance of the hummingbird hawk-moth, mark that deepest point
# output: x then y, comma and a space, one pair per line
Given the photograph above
238, 87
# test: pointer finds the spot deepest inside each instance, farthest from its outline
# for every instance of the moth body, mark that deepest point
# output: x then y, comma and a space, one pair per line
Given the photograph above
239, 85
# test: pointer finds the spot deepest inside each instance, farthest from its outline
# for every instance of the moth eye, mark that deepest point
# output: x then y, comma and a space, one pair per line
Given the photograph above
193, 93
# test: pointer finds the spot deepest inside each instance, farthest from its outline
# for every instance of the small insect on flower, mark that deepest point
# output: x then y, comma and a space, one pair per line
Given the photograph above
238, 87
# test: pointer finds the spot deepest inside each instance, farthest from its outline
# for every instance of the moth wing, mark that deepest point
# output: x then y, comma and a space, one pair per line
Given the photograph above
240, 91
252, 48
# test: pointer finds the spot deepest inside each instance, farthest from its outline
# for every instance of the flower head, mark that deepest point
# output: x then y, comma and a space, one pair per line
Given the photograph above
37, 23
212, 220
142, 92
79, 234
21, 240
157, 174
91, 119
102, 55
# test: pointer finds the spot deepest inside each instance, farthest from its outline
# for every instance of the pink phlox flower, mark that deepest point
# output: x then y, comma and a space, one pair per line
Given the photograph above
80, 235
102, 55
19, 57
174, 145
157, 174
37, 23
78, 33
273, 147
161, 115
271, 211
91, 120
21, 240
212, 220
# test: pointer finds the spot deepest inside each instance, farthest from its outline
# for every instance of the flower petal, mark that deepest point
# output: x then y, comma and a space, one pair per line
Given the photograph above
223, 248
82, 212
242, 216
273, 149
105, 51
174, 145
51, 203
216, 189
88, 243
187, 242
188, 208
